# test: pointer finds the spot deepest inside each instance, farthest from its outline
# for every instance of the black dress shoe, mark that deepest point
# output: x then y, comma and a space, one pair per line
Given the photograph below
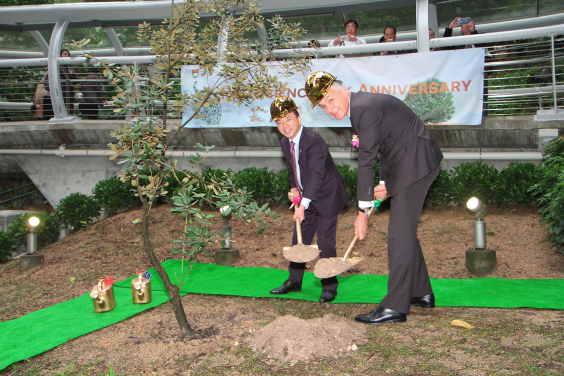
327, 296
286, 288
381, 315
427, 301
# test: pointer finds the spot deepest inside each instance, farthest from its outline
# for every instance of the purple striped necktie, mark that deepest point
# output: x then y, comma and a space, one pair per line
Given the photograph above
295, 168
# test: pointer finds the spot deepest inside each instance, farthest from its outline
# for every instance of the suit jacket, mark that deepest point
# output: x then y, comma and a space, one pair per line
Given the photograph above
387, 127
321, 180
92, 90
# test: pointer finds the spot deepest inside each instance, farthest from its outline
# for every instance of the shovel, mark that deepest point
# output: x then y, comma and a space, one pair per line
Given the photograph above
332, 266
300, 252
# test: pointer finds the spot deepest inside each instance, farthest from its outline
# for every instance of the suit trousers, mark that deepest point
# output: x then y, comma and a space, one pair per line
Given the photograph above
326, 228
408, 272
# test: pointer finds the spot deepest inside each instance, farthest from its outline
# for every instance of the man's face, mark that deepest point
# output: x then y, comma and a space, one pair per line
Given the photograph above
65, 54
431, 34
467, 28
336, 103
389, 34
289, 125
351, 28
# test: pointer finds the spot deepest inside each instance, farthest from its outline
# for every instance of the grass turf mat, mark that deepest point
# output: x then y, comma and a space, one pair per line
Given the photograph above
47, 328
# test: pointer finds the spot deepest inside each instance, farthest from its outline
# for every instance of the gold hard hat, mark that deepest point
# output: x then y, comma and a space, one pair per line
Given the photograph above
281, 107
317, 85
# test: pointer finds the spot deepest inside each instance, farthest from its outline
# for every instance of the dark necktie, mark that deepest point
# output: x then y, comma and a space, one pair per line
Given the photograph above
295, 168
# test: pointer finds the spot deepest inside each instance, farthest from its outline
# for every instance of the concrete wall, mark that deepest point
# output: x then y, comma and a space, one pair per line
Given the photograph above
57, 177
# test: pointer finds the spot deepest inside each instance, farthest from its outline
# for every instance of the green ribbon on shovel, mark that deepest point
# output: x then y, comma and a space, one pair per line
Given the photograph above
377, 204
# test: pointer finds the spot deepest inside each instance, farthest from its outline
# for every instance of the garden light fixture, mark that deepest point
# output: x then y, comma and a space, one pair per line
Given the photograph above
30, 259
479, 260
477, 206
32, 237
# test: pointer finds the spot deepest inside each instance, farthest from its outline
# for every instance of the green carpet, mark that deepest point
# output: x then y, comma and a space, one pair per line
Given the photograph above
47, 328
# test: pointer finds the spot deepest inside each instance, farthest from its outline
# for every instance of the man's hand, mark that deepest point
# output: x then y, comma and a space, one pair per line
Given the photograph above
361, 225
454, 23
295, 192
380, 192
337, 41
299, 212
353, 38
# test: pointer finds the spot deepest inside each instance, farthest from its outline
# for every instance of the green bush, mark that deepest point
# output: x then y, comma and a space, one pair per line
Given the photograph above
77, 210
259, 181
442, 190
281, 187
6, 245
474, 179
114, 196
513, 184
349, 175
47, 230
550, 189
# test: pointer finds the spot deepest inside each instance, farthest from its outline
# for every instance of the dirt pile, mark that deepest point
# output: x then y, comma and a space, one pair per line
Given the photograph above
292, 339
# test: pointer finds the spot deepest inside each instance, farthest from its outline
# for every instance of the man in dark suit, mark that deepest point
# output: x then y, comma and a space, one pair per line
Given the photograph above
409, 162
313, 172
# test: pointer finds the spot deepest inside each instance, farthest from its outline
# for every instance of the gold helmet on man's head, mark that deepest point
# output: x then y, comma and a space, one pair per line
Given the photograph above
281, 107
317, 86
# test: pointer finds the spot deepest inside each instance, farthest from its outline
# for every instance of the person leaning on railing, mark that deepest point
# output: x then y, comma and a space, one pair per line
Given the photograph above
42, 97
390, 34
350, 38
467, 28
92, 94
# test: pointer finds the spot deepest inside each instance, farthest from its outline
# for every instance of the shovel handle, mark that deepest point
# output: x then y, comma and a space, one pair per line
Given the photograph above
356, 237
299, 231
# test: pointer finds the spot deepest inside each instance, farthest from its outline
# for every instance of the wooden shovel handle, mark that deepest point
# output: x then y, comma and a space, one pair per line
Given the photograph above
356, 237
299, 231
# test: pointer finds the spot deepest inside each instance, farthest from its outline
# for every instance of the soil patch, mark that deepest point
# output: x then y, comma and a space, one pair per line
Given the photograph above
292, 339
225, 327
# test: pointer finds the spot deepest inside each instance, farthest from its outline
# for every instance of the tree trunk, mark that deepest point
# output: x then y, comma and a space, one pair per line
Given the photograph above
172, 290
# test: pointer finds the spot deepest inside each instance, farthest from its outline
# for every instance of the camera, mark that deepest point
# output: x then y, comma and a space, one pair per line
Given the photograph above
462, 21
343, 38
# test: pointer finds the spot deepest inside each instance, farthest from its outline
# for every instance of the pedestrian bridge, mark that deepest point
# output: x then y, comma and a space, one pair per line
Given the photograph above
64, 158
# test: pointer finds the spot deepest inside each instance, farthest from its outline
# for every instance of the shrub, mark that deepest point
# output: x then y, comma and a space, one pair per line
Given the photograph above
474, 179
350, 177
113, 195
6, 245
513, 184
281, 187
259, 181
47, 230
550, 189
77, 210
441, 191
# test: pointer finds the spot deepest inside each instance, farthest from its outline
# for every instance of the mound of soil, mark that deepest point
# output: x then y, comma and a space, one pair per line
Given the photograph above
292, 339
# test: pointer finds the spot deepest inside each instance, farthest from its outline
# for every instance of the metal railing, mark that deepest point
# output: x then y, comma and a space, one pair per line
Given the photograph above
521, 76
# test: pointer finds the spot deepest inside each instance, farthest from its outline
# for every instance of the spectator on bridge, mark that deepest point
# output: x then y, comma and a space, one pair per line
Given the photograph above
390, 36
432, 36
66, 74
93, 96
467, 28
350, 38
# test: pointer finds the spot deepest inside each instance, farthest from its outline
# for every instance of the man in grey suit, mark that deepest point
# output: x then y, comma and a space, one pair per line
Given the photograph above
409, 162
317, 181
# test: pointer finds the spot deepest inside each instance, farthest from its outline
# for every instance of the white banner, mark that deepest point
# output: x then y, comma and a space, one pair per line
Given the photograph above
441, 87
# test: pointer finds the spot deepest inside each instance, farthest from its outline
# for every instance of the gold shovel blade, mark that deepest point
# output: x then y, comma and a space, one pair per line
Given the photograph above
301, 253
330, 267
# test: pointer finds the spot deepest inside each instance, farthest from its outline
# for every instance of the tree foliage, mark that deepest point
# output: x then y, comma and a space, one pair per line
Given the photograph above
435, 106
238, 74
